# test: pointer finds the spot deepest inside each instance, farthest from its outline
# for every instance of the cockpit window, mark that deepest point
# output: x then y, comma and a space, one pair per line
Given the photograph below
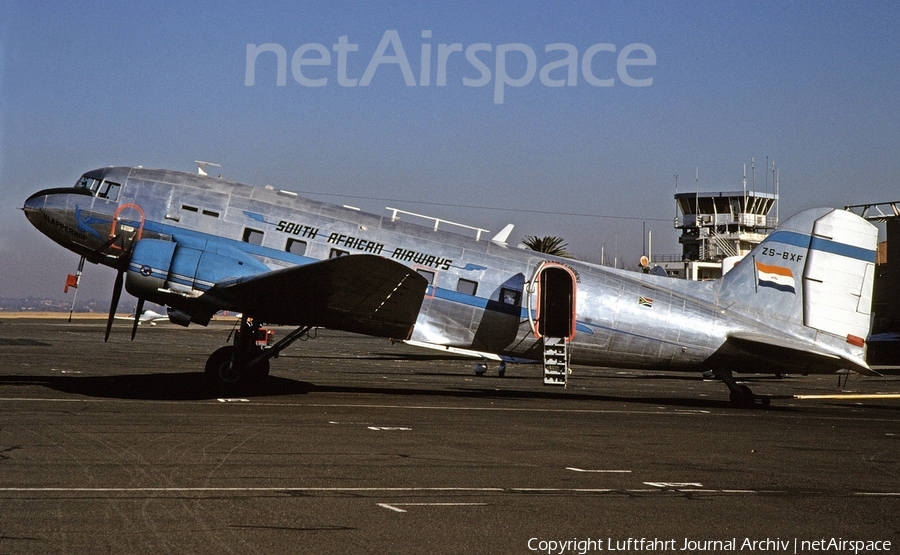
109, 190
89, 183
99, 188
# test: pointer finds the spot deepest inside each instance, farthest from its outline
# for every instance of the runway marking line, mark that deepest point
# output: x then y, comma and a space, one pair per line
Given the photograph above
679, 487
675, 484
367, 406
851, 396
396, 506
573, 469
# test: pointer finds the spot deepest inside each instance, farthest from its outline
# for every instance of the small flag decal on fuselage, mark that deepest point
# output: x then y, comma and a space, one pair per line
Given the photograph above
645, 301
776, 277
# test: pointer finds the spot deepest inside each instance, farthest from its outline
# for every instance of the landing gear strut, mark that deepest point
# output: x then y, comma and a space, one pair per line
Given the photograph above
741, 395
247, 361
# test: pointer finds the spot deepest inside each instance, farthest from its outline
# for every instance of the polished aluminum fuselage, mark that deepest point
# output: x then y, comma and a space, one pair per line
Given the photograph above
623, 319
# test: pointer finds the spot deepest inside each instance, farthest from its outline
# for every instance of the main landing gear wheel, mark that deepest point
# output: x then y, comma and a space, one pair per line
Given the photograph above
223, 368
481, 369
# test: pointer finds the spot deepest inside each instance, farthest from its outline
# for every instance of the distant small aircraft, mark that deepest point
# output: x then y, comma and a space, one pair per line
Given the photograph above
145, 316
799, 302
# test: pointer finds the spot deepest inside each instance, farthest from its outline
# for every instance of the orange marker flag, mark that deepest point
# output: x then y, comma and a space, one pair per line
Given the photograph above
71, 281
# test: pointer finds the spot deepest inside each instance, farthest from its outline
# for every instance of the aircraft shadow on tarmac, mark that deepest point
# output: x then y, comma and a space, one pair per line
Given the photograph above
193, 386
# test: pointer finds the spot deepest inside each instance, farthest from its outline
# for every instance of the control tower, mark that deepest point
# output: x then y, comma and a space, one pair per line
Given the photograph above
715, 227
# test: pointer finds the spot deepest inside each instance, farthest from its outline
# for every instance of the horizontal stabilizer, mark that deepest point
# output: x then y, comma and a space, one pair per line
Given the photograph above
359, 293
783, 351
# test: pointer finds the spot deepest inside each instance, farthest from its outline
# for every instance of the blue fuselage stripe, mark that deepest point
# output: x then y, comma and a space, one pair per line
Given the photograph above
482, 303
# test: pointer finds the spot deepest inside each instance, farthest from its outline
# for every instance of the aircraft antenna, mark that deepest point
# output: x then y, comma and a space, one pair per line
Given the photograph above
201, 166
503, 236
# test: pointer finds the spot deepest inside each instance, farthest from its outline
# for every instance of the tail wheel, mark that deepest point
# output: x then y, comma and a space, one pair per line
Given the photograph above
743, 398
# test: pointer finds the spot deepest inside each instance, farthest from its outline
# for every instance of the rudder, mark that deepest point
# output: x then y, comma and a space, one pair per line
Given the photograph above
839, 276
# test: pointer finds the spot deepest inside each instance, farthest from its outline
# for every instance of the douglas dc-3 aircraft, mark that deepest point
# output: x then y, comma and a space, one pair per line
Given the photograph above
799, 302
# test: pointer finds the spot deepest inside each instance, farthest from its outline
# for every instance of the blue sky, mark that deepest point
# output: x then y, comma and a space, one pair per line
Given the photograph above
811, 85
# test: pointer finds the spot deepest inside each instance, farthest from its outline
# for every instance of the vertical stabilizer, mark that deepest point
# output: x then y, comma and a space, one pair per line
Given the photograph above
815, 270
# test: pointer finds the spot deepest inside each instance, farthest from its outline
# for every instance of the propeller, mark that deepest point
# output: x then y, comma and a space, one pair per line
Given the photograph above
117, 292
137, 317
126, 246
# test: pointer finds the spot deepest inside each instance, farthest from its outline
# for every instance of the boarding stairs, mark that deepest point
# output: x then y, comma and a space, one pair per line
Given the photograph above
556, 360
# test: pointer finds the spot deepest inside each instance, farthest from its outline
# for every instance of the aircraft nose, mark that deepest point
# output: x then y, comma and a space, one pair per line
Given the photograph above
33, 206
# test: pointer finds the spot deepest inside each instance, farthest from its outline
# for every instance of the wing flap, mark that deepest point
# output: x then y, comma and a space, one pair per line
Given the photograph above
359, 293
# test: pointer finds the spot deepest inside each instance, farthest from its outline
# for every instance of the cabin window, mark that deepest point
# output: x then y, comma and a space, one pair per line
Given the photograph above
466, 286
510, 296
109, 190
337, 253
295, 246
253, 236
189, 208
427, 274
211, 213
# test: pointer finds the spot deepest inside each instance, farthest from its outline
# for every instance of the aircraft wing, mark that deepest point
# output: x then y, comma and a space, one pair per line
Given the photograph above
360, 293
793, 354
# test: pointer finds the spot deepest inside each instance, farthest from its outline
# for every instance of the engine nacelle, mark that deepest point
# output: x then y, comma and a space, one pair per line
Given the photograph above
172, 274
148, 269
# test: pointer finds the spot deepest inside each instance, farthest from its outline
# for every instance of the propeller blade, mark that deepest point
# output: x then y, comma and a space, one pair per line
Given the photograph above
137, 317
114, 303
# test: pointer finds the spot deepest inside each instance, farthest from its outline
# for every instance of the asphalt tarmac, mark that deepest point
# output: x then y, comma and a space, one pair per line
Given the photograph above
357, 445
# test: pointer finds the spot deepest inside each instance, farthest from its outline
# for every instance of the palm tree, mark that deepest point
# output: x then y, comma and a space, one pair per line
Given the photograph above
548, 245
